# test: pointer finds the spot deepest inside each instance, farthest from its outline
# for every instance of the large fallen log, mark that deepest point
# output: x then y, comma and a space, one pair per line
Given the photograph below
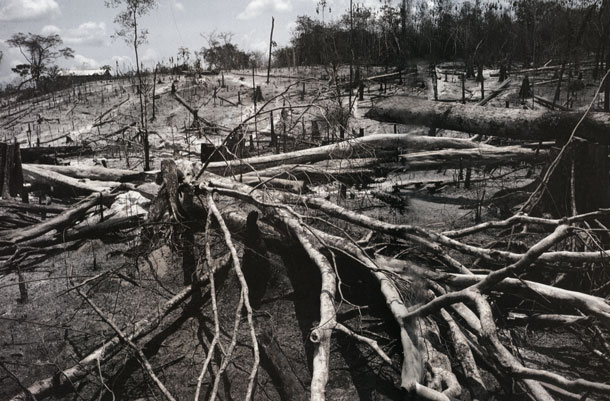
377, 146
37, 175
364, 170
507, 123
93, 172
289, 386
40, 243
458, 158
259, 181
353, 171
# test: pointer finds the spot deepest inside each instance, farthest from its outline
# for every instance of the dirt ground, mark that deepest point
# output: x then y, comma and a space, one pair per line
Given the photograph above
56, 328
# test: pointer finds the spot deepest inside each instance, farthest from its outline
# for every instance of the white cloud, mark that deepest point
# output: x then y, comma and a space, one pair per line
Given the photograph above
11, 57
85, 63
291, 26
179, 6
150, 57
50, 30
124, 64
21, 10
121, 60
257, 7
88, 33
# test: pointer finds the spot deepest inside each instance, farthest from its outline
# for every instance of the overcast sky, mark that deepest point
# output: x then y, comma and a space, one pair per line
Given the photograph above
86, 26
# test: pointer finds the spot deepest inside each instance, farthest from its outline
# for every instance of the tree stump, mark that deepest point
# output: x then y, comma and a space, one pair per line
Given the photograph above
11, 174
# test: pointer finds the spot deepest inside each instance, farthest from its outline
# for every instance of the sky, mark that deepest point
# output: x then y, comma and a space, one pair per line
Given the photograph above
87, 26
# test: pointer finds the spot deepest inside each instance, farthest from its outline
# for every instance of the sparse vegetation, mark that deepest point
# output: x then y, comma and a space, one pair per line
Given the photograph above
407, 201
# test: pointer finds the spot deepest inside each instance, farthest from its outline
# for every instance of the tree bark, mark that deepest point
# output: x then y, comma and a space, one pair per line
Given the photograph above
270, 49
378, 146
9, 161
506, 123
63, 220
92, 172
461, 158
40, 176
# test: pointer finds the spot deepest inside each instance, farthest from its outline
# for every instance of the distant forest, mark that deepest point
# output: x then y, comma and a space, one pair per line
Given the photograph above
523, 32
397, 33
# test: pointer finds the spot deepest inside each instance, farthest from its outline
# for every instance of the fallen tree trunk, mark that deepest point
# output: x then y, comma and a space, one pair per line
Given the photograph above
111, 226
93, 172
352, 171
359, 171
377, 146
41, 176
549, 104
458, 158
295, 186
99, 119
59, 222
274, 361
507, 123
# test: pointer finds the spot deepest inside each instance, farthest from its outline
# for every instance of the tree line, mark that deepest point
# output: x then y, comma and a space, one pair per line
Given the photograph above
528, 32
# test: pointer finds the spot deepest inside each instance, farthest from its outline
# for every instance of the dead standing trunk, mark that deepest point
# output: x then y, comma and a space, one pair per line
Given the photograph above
11, 173
270, 49
144, 128
607, 88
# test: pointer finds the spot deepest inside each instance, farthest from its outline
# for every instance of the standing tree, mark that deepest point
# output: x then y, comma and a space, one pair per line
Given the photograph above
106, 68
127, 20
184, 54
39, 51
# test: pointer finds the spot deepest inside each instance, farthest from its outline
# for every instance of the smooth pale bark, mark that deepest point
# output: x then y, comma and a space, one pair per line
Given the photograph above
92, 172
457, 158
343, 170
363, 169
490, 121
384, 145
35, 174
259, 181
